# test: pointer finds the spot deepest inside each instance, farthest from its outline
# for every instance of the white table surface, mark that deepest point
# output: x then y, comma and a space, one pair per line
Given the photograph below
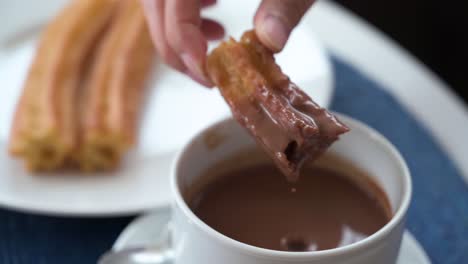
417, 88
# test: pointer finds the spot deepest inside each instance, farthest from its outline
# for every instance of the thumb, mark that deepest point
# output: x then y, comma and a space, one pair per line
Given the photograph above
275, 19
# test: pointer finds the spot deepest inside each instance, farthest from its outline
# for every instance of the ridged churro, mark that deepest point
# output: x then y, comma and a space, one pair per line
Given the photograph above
44, 128
114, 90
284, 120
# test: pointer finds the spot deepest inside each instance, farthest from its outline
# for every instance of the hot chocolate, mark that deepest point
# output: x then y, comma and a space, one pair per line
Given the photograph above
332, 205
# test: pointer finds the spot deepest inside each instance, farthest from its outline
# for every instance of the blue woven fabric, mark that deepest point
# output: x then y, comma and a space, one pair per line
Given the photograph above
438, 215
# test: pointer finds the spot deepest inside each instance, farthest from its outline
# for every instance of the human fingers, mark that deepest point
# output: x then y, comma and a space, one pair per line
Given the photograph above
154, 12
275, 20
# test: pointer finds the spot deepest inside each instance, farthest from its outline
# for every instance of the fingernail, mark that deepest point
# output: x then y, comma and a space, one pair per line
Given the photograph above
274, 31
197, 79
195, 69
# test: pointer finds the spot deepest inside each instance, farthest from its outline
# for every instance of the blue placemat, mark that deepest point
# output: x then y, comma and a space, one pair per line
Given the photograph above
438, 215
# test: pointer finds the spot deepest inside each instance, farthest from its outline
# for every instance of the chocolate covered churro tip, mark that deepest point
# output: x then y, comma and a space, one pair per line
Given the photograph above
284, 120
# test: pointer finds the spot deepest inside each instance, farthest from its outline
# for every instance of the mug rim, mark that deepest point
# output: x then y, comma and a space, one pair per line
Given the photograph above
396, 219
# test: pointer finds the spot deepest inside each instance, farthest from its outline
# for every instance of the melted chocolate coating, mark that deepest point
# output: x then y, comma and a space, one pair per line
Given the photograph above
283, 119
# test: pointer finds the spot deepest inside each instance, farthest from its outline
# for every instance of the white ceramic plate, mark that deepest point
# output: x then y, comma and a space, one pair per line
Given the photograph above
146, 230
175, 109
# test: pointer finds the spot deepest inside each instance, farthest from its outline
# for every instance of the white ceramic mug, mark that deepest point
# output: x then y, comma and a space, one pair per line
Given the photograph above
194, 242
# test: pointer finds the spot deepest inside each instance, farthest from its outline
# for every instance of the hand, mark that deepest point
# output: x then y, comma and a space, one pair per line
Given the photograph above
275, 20
180, 34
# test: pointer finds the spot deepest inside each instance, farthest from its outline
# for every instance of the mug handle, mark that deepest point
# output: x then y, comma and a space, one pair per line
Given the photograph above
159, 252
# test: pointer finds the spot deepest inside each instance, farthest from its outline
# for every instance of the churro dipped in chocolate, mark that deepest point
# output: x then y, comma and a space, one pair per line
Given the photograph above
114, 90
44, 132
284, 120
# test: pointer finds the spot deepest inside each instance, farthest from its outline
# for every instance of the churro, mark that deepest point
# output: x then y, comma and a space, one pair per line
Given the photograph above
44, 128
114, 90
284, 120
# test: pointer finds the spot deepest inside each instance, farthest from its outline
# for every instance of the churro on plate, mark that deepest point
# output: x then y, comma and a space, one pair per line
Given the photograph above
44, 130
114, 90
